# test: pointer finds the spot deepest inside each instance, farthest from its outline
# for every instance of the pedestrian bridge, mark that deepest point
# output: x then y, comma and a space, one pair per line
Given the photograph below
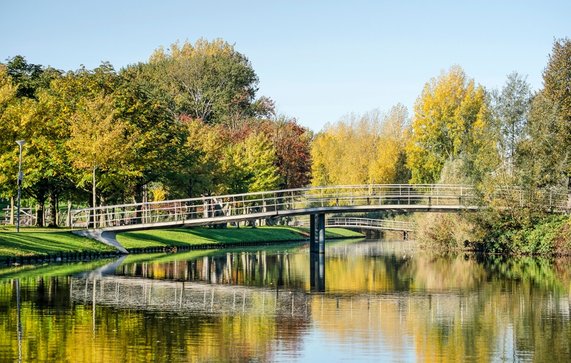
312, 201
277, 204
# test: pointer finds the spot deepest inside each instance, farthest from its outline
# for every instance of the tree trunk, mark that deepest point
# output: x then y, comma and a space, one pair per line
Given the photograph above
40, 213
53, 209
94, 198
12, 211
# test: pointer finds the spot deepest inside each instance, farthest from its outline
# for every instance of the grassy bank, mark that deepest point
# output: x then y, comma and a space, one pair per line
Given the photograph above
46, 242
30, 242
182, 237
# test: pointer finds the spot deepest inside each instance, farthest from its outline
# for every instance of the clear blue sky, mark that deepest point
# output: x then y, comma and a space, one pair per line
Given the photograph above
319, 60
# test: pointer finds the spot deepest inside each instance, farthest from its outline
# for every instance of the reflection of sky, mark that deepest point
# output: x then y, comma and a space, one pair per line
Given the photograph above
318, 346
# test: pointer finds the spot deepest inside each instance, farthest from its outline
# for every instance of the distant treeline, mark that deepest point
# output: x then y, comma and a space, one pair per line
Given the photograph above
461, 132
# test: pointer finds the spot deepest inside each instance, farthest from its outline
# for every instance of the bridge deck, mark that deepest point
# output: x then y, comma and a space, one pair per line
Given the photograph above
294, 202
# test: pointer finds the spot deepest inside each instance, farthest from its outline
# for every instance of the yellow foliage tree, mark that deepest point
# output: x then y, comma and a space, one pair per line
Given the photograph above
388, 164
341, 153
98, 140
361, 149
451, 117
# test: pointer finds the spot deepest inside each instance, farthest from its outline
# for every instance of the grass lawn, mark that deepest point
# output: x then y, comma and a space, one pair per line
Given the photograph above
195, 236
44, 242
52, 241
201, 236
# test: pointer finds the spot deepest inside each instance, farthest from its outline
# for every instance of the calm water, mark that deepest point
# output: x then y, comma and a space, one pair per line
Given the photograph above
366, 301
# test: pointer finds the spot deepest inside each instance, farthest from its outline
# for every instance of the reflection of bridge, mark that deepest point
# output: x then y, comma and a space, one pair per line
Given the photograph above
231, 300
164, 295
313, 201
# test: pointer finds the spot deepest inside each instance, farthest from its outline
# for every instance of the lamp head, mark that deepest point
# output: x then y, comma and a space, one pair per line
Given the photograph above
21, 142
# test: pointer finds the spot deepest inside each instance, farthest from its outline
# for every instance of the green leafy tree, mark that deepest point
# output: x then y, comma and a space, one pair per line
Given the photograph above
98, 141
511, 111
557, 78
158, 150
209, 81
260, 159
547, 159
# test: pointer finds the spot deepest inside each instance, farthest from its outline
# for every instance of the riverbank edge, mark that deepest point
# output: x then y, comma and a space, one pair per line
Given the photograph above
549, 236
79, 256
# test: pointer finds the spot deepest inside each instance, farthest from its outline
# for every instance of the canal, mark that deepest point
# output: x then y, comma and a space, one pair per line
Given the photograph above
365, 301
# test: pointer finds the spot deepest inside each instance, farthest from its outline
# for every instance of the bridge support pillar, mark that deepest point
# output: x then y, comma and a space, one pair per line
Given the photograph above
317, 233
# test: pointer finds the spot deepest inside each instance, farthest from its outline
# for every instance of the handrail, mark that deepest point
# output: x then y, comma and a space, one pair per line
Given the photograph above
276, 203
385, 224
361, 222
211, 209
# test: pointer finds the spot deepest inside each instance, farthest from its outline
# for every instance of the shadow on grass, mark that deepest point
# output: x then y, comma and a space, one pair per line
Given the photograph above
25, 244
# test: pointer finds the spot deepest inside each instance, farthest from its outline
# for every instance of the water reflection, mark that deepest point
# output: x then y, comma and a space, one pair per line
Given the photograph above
317, 272
363, 301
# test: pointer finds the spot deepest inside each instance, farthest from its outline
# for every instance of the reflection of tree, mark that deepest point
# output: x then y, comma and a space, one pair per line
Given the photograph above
459, 309
440, 309
251, 269
64, 332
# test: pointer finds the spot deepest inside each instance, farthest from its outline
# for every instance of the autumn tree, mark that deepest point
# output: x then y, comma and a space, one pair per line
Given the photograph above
33, 122
292, 143
8, 131
98, 140
451, 120
389, 161
341, 153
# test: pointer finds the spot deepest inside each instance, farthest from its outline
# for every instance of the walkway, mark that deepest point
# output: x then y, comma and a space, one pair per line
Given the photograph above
276, 204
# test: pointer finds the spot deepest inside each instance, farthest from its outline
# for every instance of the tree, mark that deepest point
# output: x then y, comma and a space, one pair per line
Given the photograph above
451, 118
158, 151
511, 109
98, 140
389, 161
204, 150
341, 153
260, 157
29, 77
292, 143
557, 77
548, 159
209, 81
8, 129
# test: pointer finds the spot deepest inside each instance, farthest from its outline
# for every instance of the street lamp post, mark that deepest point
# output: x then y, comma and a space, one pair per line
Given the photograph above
20, 179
